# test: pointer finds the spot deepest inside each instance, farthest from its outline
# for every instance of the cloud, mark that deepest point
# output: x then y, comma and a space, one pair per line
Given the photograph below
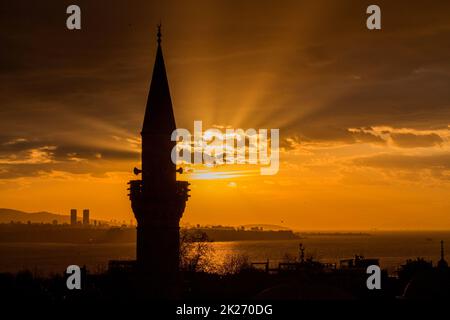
422, 169
409, 162
409, 140
20, 157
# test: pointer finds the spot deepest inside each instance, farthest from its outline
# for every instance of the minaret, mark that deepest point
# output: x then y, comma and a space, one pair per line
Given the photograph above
442, 264
158, 200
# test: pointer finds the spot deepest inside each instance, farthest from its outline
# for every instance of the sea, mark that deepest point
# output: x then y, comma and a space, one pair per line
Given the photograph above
391, 248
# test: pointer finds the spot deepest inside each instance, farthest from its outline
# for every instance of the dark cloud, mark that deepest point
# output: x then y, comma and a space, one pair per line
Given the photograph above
410, 140
20, 147
23, 170
11, 145
310, 68
311, 134
94, 167
439, 162
20, 157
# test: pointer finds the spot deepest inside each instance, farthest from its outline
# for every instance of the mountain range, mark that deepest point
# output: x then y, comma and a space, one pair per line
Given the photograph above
8, 215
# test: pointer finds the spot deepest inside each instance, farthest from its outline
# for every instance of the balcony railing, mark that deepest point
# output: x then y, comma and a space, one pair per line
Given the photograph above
136, 191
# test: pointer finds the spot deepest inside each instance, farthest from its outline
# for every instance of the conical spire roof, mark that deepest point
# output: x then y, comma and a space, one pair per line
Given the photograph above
159, 117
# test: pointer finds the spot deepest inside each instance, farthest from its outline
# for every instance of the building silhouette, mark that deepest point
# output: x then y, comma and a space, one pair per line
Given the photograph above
158, 199
86, 217
73, 217
442, 264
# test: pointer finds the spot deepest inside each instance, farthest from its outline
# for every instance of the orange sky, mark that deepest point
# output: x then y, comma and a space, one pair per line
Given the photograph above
364, 117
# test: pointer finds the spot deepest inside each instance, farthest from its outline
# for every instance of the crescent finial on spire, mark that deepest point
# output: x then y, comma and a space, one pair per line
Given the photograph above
159, 33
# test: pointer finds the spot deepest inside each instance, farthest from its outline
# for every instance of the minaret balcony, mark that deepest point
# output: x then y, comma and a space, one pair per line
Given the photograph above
139, 193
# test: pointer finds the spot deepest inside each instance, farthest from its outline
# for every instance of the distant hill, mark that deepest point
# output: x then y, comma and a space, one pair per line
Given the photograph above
8, 215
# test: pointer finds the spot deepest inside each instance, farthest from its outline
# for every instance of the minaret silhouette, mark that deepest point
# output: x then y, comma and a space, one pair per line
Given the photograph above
158, 200
442, 264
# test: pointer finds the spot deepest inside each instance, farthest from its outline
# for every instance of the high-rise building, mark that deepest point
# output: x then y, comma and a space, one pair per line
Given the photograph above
158, 199
73, 217
86, 217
